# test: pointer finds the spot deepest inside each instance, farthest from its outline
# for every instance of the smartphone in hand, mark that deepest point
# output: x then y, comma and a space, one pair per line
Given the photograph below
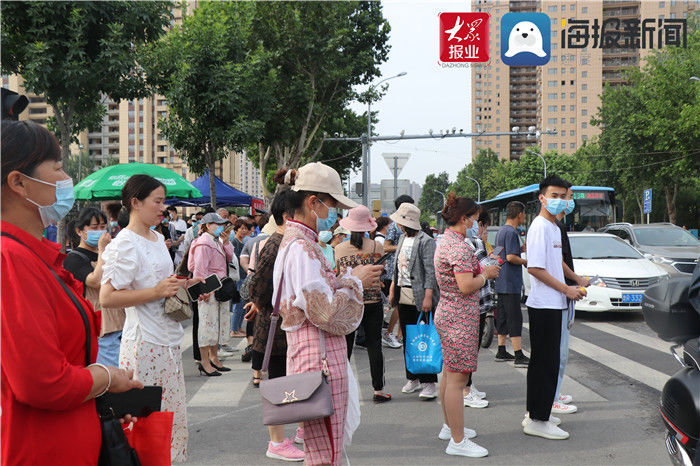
211, 283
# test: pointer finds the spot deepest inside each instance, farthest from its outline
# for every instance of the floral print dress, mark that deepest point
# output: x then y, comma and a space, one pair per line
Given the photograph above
315, 300
457, 315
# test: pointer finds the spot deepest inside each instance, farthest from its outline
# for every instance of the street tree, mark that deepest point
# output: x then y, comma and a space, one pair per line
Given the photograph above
217, 81
431, 200
319, 52
653, 123
75, 54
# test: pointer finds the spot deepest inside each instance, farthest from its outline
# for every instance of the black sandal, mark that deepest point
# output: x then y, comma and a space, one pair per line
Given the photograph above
383, 398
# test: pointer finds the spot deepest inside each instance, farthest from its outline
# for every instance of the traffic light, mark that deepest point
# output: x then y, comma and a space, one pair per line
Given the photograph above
12, 104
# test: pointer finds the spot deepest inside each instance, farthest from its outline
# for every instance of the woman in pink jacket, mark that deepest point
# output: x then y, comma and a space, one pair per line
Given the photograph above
209, 254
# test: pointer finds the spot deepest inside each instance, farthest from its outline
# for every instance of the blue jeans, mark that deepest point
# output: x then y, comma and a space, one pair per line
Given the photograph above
108, 349
238, 313
563, 351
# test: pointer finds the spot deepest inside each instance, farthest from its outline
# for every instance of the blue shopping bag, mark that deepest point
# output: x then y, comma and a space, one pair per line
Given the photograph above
423, 350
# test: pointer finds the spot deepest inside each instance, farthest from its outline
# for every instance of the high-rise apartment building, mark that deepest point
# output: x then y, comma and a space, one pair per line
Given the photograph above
565, 93
129, 133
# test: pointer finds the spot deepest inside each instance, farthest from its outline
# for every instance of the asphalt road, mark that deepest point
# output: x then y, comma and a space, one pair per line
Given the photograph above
616, 370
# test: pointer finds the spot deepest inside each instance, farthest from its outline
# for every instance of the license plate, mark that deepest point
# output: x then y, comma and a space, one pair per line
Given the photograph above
632, 297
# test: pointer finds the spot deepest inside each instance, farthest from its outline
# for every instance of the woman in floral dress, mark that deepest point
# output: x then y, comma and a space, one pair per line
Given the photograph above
314, 301
459, 277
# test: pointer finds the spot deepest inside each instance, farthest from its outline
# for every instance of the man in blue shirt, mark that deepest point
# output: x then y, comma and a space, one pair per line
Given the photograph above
509, 317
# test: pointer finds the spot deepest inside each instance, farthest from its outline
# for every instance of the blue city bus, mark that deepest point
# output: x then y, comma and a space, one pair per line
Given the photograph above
595, 206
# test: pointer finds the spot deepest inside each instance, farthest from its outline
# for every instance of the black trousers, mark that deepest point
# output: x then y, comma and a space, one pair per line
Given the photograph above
195, 338
408, 315
482, 324
372, 324
543, 370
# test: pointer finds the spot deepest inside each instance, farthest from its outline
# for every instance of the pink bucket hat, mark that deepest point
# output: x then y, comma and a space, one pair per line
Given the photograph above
359, 219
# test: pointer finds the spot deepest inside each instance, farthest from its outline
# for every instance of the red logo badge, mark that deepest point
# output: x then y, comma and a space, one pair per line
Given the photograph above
464, 37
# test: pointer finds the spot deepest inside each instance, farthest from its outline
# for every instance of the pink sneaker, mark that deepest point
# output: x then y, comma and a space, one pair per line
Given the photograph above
285, 452
299, 437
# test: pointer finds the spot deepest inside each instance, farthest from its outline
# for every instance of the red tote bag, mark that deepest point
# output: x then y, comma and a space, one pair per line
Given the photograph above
151, 436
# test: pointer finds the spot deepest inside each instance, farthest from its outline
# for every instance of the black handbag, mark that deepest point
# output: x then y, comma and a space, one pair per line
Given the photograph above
115, 449
228, 291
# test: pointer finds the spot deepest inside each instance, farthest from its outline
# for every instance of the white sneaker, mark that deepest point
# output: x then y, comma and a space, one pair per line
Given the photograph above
566, 399
561, 408
411, 386
474, 401
429, 391
390, 341
553, 419
545, 430
229, 348
477, 393
466, 448
446, 433
224, 354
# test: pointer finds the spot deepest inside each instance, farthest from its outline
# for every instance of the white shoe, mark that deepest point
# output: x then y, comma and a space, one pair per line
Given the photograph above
474, 401
390, 341
429, 391
466, 448
566, 399
477, 393
561, 408
411, 386
545, 430
224, 354
229, 348
446, 433
553, 419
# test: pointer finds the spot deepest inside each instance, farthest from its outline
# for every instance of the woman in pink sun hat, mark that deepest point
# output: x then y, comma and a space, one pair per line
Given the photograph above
349, 254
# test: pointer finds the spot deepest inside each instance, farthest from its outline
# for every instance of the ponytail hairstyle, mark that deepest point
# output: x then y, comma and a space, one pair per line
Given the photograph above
287, 177
357, 238
457, 207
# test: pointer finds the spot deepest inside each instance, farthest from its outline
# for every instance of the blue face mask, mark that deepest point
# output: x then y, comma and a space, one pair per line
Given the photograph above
474, 230
570, 204
521, 229
325, 236
555, 206
152, 227
65, 199
323, 224
113, 224
93, 237
218, 231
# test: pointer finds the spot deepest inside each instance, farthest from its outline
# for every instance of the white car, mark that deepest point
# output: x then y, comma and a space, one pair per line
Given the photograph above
624, 271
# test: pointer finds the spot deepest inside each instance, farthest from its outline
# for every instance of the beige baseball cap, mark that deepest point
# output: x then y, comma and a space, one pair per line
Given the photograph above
320, 178
408, 215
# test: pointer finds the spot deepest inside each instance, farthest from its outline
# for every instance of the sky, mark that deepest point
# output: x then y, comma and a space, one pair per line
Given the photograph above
427, 97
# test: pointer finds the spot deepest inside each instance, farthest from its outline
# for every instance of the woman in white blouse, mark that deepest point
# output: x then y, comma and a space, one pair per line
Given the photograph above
138, 275
314, 301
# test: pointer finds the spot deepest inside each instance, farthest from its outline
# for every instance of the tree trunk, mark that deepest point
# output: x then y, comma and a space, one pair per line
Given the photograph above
264, 154
63, 122
212, 176
641, 208
671, 202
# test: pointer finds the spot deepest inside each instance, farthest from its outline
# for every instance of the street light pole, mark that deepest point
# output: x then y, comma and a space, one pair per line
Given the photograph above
478, 188
444, 200
80, 162
540, 156
366, 152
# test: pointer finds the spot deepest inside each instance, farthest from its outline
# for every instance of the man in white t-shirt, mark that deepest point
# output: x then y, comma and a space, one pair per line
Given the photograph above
545, 303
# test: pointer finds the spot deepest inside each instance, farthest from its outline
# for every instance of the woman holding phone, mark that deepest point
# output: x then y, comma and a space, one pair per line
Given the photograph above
209, 255
348, 255
138, 275
48, 392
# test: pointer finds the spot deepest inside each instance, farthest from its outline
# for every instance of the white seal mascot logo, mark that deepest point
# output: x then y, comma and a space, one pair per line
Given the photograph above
525, 37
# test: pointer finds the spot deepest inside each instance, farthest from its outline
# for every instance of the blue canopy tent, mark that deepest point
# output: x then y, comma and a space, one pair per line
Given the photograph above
226, 195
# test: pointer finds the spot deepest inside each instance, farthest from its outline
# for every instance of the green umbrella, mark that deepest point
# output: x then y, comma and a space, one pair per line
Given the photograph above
107, 183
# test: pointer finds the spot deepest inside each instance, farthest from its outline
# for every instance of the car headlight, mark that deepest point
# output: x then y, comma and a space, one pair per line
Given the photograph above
597, 281
661, 260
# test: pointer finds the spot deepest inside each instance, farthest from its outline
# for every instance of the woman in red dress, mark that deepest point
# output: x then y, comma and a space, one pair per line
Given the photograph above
48, 407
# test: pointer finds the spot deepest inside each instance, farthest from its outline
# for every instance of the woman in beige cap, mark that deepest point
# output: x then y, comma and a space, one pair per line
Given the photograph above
315, 304
413, 286
361, 250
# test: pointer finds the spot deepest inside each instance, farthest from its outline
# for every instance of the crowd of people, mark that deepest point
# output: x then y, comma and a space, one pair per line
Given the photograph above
339, 281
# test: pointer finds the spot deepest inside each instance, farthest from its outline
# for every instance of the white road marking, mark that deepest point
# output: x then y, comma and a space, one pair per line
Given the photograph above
644, 340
